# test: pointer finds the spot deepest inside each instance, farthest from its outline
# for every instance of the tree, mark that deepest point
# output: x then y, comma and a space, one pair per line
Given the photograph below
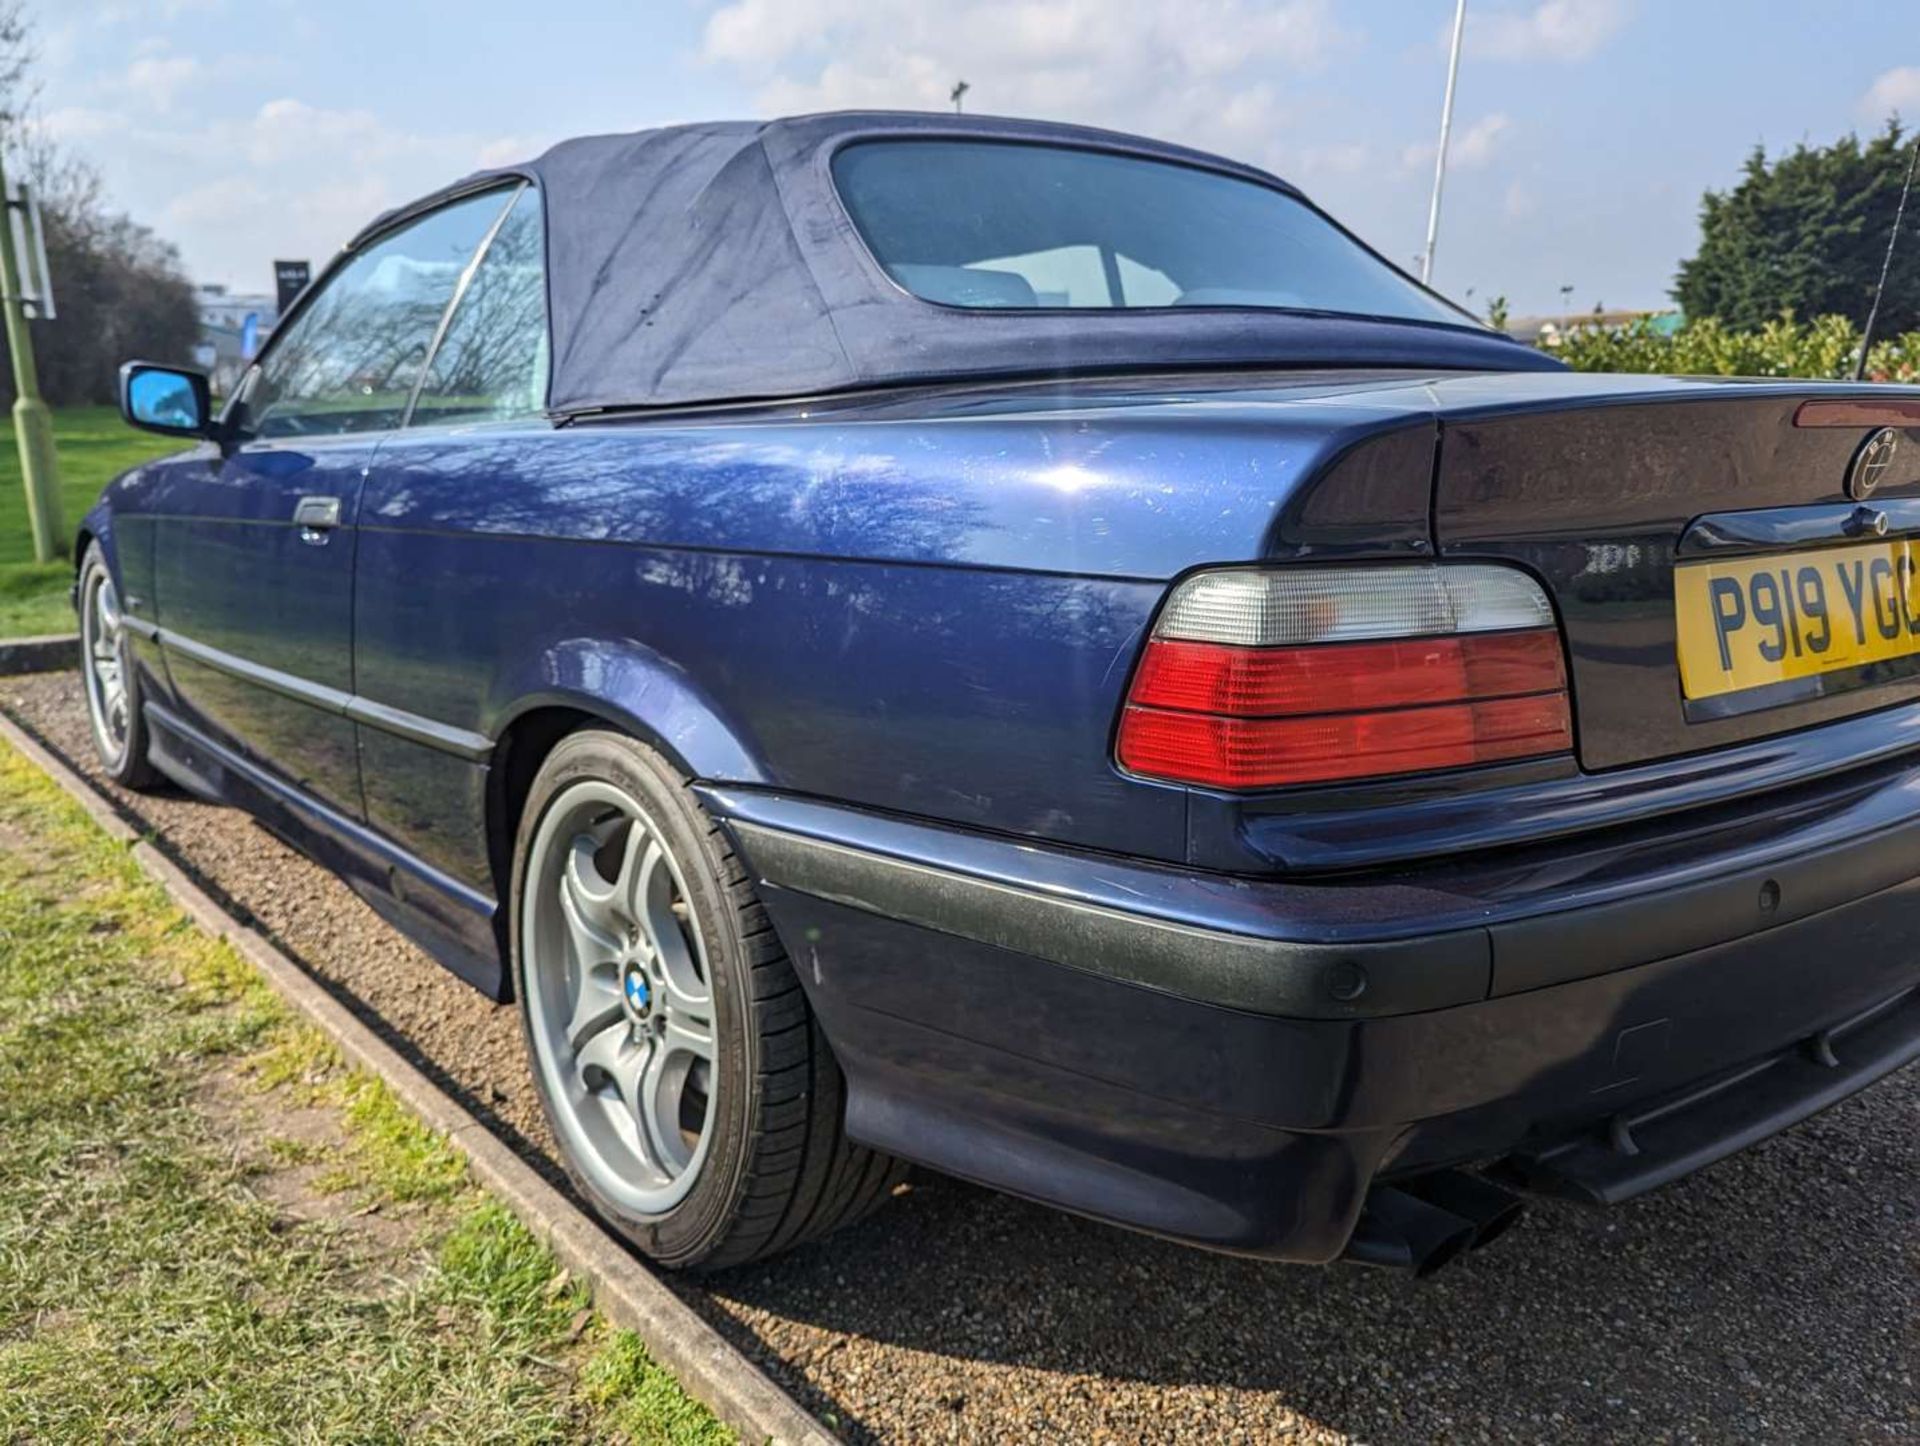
120, 294
1806, 234
17, 89
119, 289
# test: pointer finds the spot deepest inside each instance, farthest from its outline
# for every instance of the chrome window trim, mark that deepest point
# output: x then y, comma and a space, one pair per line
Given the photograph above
459, 295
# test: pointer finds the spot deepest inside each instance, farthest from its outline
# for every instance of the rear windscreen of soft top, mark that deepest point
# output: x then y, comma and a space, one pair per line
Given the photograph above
1018, 226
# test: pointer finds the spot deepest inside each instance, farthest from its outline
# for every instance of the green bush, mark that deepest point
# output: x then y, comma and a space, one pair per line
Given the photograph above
1827, 347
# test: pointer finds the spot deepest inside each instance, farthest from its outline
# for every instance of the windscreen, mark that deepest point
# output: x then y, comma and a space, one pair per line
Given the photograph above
999, 225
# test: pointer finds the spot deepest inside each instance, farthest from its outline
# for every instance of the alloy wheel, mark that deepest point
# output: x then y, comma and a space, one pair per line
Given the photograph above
102, 639
619, 997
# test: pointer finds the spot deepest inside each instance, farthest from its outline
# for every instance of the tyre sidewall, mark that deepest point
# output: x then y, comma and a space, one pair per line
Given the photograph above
131, 769
699, 1223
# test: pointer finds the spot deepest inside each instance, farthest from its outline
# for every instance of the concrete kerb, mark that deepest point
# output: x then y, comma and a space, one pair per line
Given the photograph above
39, 655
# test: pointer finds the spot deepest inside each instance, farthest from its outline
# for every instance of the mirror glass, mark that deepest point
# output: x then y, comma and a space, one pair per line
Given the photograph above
164, 399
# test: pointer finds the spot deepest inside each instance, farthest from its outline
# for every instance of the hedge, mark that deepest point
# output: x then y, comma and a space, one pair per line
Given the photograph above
1827, 347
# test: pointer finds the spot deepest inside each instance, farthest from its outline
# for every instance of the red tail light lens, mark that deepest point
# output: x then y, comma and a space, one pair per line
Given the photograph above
1347, 677
1272, 752
1261, 680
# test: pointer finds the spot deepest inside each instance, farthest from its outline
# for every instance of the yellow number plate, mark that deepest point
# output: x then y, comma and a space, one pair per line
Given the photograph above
1750, 622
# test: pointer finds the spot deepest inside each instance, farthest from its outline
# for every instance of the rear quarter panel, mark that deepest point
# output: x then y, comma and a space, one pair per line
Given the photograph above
933, 617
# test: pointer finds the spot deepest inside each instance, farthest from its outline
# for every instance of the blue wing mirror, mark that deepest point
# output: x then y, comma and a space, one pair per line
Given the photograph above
169, 400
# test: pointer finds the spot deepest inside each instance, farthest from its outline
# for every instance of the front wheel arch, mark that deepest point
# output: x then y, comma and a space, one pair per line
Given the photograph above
84, 541
108, 675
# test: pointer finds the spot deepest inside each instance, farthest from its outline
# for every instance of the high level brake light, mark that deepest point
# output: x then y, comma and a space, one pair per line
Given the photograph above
1312, 675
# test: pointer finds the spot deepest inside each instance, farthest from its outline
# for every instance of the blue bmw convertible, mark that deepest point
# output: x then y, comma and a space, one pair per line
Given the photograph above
1034, 652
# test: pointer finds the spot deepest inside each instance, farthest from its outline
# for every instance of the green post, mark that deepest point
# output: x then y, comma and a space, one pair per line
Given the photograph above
32, 421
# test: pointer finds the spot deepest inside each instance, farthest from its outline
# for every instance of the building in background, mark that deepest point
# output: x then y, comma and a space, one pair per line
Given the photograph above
233, 326
1542, 330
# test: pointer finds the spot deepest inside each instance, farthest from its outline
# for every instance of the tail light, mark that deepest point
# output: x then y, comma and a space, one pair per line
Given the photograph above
1313, 675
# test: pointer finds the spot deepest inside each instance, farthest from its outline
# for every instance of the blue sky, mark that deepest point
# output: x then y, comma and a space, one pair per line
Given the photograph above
245, 130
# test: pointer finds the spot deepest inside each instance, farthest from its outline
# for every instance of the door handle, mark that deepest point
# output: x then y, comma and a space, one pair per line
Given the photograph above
316, 517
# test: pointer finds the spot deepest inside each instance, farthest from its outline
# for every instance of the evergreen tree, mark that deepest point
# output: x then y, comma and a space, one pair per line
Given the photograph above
1806, 233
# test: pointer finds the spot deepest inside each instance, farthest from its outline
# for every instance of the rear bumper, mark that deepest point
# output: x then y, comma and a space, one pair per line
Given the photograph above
1235, 1063
1661, 1140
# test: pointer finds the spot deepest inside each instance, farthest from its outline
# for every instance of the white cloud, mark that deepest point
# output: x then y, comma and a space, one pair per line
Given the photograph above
1476, 144
79, 123
287, 130
1550, 30
1349, 158
156, 80
125, 12
509, 150
1894, 92
1206, 72
293, 179
1470, 147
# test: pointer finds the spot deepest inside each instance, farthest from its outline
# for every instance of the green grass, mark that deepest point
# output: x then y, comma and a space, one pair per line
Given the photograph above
94, 447
186, 1255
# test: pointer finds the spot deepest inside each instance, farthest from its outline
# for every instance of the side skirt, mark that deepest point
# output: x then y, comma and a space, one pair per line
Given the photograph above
449, 920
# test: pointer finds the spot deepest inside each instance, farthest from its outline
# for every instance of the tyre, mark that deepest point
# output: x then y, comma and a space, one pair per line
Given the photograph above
694, 1099
112, 682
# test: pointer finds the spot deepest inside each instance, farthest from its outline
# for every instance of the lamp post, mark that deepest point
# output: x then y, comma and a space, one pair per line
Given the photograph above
32, 422
1446, 129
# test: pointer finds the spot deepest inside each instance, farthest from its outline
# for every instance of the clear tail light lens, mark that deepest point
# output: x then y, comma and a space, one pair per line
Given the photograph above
1316, 675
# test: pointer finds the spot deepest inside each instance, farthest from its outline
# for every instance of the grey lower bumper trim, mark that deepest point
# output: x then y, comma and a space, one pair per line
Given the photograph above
1237, 971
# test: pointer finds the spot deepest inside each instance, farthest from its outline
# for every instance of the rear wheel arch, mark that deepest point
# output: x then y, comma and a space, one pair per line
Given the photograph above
583, 683
697, 744
784, 1171
519, 751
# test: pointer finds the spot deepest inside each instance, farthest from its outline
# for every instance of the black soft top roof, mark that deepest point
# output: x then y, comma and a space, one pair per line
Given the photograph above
714, 262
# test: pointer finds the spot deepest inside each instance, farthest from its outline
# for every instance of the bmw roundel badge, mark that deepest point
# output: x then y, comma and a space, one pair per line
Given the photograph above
1872, 463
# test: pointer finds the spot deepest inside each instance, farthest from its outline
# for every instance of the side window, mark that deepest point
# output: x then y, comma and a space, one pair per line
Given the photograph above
491, 364
349, 361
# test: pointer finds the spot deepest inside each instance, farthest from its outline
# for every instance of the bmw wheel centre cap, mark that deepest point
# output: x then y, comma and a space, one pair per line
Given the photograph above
638, 993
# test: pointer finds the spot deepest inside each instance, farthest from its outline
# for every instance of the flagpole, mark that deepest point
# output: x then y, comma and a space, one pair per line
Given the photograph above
1446, 129
32, 422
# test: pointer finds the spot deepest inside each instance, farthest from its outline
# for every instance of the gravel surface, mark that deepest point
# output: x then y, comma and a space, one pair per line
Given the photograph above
1776, 1297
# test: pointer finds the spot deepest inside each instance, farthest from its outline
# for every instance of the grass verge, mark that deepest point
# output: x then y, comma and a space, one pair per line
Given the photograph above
211, 1230
94, 446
